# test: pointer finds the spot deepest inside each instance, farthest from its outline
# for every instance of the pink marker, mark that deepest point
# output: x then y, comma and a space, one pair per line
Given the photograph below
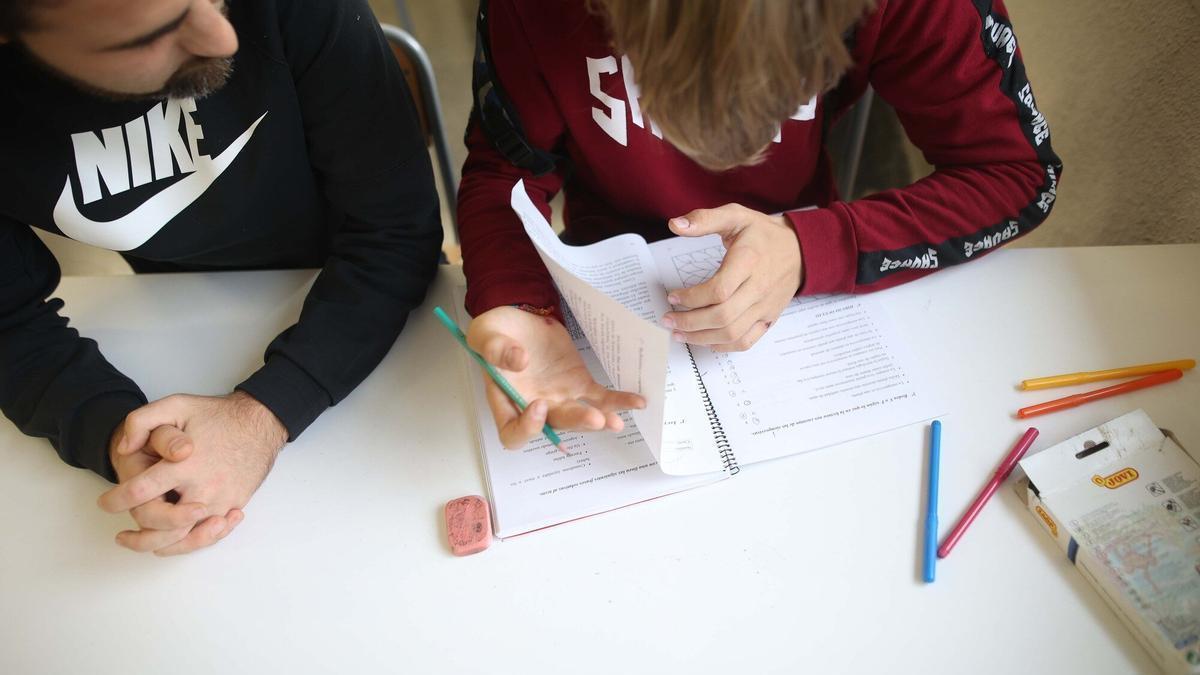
1005, 468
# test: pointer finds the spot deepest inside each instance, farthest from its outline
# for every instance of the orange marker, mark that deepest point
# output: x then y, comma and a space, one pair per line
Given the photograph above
1079, 399
1111, 374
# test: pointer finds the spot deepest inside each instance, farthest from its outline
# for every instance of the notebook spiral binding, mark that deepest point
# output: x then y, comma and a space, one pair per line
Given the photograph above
728, 459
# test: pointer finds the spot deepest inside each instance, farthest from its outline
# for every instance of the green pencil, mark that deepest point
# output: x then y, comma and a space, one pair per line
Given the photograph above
504, 384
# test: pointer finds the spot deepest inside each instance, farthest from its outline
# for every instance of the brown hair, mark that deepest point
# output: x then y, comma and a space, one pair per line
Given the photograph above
720, 76
14, 16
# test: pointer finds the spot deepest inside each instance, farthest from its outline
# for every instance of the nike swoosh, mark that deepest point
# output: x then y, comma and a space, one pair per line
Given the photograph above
135, 228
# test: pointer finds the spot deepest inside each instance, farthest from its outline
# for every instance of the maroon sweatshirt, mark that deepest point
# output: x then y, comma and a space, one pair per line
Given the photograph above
950, 68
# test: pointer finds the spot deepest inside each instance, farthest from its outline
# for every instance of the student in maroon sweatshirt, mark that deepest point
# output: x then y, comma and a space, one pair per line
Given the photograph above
689, 118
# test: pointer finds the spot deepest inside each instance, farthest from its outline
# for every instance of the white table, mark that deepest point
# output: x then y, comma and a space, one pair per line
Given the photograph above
807, 564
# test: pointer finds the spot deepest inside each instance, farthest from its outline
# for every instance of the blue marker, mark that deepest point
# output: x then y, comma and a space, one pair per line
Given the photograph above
931, 522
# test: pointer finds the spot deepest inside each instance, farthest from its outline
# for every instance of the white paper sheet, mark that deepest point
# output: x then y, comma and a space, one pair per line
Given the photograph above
537, 486
831, 369
613, 289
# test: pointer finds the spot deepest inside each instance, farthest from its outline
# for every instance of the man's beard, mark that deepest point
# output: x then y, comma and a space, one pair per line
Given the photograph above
196, 79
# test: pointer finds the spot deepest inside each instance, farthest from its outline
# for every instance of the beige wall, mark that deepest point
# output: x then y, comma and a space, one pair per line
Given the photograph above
1120, 86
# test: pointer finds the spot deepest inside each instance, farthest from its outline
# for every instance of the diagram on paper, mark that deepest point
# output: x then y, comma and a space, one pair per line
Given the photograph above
696, 267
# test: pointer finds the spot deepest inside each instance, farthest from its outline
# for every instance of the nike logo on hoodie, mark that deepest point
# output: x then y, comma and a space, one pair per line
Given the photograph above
124, 157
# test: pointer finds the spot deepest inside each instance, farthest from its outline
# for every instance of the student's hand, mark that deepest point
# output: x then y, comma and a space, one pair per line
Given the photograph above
216, 450
536, 355
761, 273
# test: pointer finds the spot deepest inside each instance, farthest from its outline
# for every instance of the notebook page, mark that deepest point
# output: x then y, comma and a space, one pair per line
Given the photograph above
537, 486
612, 288
830, 370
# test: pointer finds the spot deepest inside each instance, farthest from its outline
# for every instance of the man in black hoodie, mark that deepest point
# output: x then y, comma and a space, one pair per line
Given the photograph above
199, 135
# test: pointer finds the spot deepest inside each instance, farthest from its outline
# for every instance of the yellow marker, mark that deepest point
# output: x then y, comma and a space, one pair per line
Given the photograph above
1112, 374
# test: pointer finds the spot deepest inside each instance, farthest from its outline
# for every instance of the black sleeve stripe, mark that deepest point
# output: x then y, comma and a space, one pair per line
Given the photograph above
1000, 45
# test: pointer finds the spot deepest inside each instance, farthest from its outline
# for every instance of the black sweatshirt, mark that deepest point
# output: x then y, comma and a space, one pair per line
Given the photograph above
309, 156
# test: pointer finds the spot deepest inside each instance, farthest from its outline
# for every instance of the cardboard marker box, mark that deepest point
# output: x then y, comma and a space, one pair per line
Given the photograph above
1123, 502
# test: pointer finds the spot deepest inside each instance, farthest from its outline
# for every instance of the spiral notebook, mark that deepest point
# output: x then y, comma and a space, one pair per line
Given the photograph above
831, 369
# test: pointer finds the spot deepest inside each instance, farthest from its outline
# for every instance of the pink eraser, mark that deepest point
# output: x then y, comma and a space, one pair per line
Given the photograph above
468, 524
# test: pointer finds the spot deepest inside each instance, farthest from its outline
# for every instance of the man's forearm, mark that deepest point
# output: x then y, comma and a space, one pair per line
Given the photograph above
258, 416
